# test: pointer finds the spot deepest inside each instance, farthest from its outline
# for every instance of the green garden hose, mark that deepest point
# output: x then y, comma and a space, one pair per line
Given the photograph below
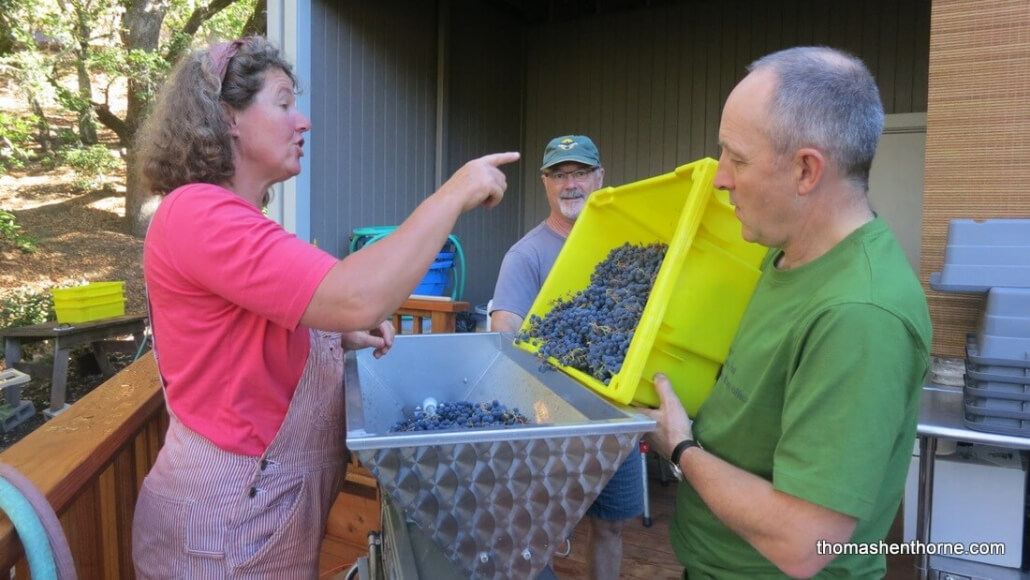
30, 531
42, 537
362, 237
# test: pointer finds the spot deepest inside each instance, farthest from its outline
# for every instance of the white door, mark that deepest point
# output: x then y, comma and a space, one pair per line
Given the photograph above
896, 180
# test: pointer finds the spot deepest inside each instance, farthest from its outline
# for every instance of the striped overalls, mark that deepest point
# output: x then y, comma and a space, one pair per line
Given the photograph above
207, 513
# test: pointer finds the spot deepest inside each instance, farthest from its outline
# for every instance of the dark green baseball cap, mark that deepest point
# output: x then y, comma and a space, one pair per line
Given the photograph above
578, 148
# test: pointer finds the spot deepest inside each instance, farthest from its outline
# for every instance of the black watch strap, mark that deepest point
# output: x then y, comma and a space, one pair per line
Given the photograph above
680, 448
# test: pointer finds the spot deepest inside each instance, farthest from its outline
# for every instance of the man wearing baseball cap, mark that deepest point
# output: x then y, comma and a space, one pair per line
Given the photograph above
571, 171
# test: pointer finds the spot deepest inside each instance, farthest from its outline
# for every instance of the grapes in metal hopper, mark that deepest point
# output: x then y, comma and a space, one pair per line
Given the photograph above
590, 330
461, 415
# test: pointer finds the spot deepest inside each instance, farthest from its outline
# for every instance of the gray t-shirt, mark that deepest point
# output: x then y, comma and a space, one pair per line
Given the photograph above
524, 269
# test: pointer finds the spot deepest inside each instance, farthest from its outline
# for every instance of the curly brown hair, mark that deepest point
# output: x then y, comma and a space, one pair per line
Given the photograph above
186, 137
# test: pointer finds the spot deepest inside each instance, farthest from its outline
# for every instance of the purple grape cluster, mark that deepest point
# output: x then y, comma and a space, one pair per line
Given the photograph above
461, 415
590, 330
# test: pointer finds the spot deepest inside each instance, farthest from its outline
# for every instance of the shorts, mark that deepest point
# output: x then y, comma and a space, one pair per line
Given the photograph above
623, 497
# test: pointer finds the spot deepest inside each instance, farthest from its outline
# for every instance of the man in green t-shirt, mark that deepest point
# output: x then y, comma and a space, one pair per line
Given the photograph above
806, 437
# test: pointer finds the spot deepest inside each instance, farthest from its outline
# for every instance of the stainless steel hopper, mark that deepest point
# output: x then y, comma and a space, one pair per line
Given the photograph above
497, 502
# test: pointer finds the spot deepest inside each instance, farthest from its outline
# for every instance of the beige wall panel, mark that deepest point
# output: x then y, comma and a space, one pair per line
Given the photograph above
977, 139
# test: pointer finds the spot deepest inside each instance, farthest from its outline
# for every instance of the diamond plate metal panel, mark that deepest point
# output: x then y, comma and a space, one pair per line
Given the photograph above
497, 502
499, 509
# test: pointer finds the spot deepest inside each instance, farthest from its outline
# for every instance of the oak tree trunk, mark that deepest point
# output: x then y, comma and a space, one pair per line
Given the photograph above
141, 30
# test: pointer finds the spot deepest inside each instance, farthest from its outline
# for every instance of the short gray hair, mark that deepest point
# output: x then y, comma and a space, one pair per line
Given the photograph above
828, 100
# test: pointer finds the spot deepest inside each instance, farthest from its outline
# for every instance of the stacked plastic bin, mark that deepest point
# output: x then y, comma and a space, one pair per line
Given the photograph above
993, 256
89, 302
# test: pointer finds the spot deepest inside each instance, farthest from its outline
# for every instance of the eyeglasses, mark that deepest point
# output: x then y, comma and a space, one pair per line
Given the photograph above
579, 175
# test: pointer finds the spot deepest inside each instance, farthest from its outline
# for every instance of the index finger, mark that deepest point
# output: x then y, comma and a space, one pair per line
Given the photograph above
387, 331
498, 159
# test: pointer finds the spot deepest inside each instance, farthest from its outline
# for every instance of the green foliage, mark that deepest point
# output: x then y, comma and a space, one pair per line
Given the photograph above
17, 129
91, 164
24, 308
9, 162
17, 134
49, 162
82, 54
228, 23
27, 70
147, 70
65, 137
9, 12
7, 40
11, 235
83, 33
71, 100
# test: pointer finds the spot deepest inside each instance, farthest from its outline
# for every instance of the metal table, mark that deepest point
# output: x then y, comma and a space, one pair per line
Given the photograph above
940, 417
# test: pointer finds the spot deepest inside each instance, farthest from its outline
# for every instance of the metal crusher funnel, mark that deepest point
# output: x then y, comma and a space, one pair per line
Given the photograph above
499, 501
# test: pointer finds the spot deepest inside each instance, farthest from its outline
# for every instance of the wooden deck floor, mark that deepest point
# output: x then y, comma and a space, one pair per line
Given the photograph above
647, 554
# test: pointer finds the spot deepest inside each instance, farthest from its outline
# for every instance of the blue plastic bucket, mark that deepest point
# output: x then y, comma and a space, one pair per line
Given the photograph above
447, 271
435, 282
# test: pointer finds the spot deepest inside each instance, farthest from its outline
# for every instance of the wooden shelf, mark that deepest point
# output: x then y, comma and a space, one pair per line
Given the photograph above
357, 474
441, 314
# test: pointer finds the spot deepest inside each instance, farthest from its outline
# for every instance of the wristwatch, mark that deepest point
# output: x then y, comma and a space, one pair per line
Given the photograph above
677, 452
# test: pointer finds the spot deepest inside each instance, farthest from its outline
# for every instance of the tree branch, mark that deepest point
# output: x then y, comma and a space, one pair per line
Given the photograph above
257, 24
200, 15
112, 122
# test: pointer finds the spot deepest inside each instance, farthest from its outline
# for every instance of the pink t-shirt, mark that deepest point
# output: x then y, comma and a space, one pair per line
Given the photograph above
227, 288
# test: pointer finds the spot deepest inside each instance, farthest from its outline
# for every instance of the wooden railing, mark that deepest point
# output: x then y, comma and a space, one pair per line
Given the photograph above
89, 462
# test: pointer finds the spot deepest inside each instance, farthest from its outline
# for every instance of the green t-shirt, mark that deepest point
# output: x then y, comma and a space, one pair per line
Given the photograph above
819, 395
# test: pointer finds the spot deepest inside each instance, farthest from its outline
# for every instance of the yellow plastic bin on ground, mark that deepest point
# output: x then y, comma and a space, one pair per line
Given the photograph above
89, 302
699, 295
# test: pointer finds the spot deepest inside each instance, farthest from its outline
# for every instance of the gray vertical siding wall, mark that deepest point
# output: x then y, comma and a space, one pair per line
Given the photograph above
485, 63
648, 86
373, 108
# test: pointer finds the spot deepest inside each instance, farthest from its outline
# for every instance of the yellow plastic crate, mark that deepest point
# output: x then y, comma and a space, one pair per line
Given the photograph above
699, 295
90, 302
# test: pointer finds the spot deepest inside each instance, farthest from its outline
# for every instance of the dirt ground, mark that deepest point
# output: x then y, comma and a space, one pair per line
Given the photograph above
81, 236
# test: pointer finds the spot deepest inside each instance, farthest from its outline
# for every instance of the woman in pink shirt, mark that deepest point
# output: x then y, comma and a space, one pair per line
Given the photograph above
250, 322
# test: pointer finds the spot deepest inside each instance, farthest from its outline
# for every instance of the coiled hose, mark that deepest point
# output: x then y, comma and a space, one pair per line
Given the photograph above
40, 532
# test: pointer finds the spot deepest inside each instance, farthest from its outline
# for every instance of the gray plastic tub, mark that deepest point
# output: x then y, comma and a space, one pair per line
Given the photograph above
998, 255
991, 349
998, 373
983, 254
990, 364
1005, 422
999, 395
1007, 313
1008, 326
991, 376
1015, 302
996, 406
